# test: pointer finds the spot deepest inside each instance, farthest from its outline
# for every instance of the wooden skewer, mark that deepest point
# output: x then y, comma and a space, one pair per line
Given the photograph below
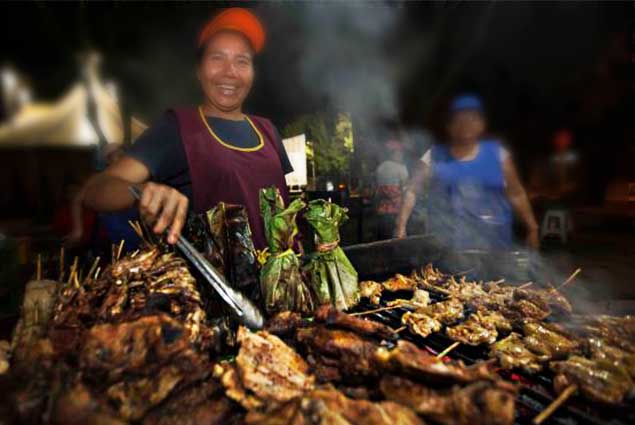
97, 272
564, 396
570, 278
134, 254
400, 329
120, 249
38, 267
445, 352
525, 285
73, 270
377, 310
93, 267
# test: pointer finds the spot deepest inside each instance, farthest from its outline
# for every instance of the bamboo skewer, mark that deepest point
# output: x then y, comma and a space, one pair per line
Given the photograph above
377, 310
563, 397
120, 249
97, 272
92, 268
525, 285
38, 268
445, 352
400, 329
73, 270
570, 278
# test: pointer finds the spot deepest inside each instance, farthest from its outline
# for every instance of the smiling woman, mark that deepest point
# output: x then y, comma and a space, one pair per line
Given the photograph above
201, 155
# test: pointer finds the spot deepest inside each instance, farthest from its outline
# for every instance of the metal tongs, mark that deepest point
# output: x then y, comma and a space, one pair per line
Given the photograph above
246, 312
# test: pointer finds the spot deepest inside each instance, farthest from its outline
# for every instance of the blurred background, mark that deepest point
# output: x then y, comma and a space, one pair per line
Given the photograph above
556, 79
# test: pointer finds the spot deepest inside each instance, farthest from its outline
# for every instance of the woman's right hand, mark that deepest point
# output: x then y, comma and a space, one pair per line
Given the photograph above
163, 207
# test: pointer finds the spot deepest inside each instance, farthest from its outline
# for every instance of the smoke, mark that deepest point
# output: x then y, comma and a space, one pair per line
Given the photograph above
339, 50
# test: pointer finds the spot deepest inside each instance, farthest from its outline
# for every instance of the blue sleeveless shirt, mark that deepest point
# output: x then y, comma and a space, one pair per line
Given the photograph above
468, 206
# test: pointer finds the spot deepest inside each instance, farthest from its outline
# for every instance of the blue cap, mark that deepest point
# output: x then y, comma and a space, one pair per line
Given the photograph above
466, 102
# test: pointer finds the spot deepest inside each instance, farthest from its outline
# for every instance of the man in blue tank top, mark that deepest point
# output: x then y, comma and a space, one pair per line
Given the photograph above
472, 186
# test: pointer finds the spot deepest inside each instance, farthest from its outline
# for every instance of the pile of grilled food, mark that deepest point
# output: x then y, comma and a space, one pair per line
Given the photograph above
135, 344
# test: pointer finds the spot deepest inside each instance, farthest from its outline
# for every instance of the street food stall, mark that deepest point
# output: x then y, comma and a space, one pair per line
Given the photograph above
400, 337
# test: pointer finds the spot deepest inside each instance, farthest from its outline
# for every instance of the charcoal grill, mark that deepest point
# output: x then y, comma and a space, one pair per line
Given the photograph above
380, 260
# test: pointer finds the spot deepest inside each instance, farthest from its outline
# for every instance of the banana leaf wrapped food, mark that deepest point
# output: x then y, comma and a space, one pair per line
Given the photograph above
280, 277
332, 277
234, 247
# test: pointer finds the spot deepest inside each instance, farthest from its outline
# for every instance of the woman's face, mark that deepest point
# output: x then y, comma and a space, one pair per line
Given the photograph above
226, 71
466, 126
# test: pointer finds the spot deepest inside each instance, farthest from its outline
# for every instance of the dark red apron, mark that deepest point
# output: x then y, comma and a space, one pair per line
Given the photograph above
223, 174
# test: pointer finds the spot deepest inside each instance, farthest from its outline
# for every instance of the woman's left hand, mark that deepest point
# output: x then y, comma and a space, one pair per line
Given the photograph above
533, 240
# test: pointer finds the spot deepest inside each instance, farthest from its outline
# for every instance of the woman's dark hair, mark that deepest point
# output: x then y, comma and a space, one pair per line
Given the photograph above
200, 50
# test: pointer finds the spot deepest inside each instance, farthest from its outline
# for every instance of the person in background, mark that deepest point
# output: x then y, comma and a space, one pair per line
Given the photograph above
391, 177
558, 179
472, 186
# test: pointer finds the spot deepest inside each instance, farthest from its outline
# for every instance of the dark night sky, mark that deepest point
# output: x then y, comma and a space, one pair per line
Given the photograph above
540, 60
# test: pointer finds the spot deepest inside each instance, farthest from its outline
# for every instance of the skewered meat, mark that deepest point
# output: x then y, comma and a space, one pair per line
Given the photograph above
476, 330
512, 353
500, 322
335, 318
354, 355
269, 368
399, 282
542, 340
482, 402
446, 312
371, 291
600, 350
519, 310
619, 332
421, 323
597, 380
201, 404
330, 407
420, 299
408, 359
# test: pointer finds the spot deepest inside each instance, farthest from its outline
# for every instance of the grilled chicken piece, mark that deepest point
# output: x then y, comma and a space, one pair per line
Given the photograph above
476, 330
482, 402
406, 358
598, 380
327, 406
149, 342
556, 300
512, 353
135, 397
200, 404
269, 368
285, 323
334, 318
601, 350
421, 323
353, 355
420, 299
78, 406
371, 291
399, 282
546, 341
